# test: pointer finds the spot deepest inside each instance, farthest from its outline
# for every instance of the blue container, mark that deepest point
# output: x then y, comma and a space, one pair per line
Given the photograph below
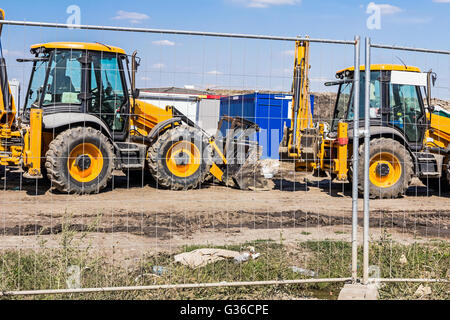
269, 111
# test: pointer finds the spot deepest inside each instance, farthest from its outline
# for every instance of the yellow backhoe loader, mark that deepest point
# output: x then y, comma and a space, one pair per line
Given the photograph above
80, 122
408, 136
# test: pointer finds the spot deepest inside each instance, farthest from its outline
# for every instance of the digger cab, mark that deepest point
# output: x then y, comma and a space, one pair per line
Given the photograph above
80, 78
396, 101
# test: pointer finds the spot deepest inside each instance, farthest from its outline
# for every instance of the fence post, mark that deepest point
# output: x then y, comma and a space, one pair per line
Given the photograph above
355, 166
366, 165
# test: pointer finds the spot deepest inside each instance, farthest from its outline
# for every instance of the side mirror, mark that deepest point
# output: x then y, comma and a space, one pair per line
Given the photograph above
433, 78
136, 93
134, 67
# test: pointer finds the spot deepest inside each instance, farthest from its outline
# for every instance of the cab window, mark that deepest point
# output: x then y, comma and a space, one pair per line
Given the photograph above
107, 90
375, 97
64, 79
36, 84
405, 110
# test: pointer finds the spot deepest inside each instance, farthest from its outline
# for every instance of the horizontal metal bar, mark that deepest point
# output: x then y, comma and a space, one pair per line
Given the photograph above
168, 31
410, 280
383, 46
172, 286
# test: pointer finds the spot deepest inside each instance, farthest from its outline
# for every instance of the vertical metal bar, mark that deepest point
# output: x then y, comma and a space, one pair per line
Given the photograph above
366, 164
355, 166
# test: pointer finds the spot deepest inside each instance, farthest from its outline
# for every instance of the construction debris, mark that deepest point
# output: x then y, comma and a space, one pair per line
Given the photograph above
202, 257
304, 272
422, 291
246, 256
269, 168
403, 259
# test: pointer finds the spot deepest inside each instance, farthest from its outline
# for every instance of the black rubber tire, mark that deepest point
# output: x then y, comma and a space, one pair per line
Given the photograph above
397, 149
157, 158
58, 154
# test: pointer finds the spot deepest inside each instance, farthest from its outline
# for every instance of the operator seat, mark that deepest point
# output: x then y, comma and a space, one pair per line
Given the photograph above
61, 83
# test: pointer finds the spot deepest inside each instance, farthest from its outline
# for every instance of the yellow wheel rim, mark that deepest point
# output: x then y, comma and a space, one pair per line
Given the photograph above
183, 159
385, 170
85, 162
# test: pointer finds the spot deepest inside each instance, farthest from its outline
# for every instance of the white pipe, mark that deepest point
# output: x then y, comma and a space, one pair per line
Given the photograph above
169, 31
366, 165
410, 280
355, 165
172, 286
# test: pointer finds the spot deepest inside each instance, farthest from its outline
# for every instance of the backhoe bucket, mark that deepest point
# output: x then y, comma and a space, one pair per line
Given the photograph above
242, 168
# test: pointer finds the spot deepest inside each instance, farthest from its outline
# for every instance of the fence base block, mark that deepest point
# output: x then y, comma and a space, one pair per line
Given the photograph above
359, 292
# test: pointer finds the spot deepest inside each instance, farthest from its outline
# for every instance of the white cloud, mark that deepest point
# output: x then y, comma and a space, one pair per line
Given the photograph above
386, 8
133, 17
266, 3
214, 72
164, 43
158, 66
145, 78
442, 1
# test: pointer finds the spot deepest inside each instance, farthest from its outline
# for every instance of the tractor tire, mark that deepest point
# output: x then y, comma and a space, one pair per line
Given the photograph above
171, 158
391, 169
80, 161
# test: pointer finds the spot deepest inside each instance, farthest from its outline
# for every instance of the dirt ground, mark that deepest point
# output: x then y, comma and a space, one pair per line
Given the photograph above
135, 218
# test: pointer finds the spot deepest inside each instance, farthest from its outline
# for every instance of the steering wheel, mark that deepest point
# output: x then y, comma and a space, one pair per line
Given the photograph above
398, 108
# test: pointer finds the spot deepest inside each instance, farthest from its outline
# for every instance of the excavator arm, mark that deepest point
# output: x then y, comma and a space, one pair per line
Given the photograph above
301, 108
19, 146
304, 141
7, 105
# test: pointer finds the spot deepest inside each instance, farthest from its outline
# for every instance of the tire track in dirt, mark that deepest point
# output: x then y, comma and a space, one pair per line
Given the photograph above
165, 225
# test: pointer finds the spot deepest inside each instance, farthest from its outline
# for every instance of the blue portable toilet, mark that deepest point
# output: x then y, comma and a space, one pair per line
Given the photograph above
269, 111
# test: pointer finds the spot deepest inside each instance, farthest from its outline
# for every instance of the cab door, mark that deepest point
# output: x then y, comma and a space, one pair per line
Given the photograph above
407, 112
108, 93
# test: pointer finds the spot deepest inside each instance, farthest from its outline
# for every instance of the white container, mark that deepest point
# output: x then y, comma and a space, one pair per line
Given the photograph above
14, 84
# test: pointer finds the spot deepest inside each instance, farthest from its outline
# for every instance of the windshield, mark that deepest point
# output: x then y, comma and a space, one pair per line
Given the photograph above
64, 79
345, 91
36, 84
344, 105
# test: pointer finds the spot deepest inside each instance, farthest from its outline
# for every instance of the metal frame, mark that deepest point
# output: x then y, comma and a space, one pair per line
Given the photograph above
169, 31
366, 248
366, 165
173, 286
356, 44
355, 193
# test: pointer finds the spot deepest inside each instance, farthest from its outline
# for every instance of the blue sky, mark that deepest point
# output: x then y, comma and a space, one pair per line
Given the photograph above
210, 62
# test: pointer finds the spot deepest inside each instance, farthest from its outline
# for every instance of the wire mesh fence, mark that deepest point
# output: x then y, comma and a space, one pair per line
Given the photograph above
418, 112
296, 235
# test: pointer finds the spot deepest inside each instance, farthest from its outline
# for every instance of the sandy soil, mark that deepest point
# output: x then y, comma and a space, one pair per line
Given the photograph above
145, 218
